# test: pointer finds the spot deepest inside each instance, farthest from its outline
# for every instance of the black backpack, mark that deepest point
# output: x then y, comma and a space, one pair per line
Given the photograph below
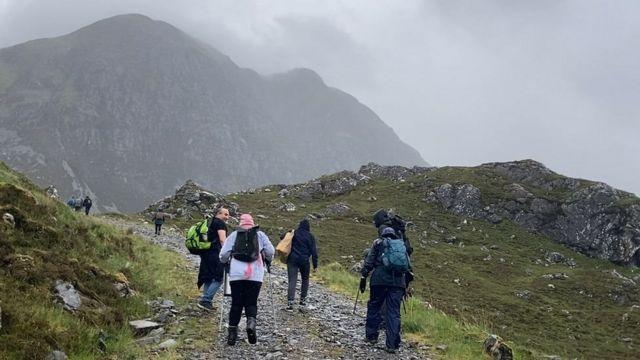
246, 247
382, 219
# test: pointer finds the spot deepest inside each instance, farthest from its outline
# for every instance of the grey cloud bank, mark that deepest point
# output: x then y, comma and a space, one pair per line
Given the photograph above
464, 82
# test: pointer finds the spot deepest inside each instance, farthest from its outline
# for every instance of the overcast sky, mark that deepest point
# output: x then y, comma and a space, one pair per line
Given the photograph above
464, 82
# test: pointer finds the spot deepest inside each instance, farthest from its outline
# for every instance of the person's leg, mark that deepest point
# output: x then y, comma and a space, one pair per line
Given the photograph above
393, 299
209, 290
372, 323
251, 309
159, 228
237, 302
304, 288
292, 272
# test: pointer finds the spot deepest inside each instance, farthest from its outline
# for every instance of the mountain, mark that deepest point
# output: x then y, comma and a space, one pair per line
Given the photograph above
548, 262
128, 107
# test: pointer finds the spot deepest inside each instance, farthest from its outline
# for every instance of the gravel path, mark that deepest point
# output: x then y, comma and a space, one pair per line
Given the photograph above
325, 329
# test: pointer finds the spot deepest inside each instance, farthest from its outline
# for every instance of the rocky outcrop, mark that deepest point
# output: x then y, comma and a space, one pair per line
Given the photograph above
191, 201
590, 217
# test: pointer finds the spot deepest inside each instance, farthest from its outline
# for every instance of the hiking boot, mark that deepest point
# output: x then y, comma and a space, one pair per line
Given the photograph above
205, 305
391, 350
303, 302
233, 335
289, 306
251, 330
371, 341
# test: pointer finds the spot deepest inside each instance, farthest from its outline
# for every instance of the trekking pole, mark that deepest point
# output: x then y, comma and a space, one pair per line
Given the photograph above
356, 303
224, 283
273, 306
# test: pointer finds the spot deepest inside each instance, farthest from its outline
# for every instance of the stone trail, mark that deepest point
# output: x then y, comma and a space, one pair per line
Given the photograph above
325, 329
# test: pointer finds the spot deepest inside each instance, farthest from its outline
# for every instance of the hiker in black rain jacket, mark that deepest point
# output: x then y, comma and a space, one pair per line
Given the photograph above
386, 289
303, 246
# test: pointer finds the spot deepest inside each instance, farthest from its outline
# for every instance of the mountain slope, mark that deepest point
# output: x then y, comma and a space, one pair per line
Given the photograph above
48, 253
128, 107
503, 273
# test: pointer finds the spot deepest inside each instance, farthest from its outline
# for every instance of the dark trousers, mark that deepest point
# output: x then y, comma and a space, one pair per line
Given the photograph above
292, 272
390, 297
244, 295
86, 210
158, 227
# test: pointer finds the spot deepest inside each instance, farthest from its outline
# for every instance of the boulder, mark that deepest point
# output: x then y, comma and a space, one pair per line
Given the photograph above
142, 327
68, 295
498, 350
56, 355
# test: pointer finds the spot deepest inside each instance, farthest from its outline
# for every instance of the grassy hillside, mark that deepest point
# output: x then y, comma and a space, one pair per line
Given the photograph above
48, 243
479, 272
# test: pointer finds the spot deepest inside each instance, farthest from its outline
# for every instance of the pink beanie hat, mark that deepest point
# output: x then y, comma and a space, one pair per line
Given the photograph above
246, 221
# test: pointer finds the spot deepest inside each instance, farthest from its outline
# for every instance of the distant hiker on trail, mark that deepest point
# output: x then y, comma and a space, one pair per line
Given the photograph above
87, 204
303, 246
159, 217
72, 202
246, 249
77, 205
388, 261
210, 274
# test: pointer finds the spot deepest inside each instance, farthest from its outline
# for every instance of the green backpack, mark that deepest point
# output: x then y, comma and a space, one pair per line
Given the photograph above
197, 241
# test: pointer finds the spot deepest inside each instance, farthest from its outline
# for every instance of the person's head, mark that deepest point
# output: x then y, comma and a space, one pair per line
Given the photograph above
304, 225
223, 214
388, 233
246, 221
86, 197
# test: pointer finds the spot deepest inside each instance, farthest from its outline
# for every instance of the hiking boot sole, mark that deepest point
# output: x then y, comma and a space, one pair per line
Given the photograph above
251, 336
204, 307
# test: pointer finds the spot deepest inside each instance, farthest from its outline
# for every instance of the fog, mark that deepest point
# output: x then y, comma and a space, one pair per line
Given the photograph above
463, 82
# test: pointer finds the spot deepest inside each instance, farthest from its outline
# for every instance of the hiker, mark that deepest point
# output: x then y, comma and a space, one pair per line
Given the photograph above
159, 218
303, 246
87, 204
210, 274
387, 287
71, 202
383, 218
246, 249
77, 205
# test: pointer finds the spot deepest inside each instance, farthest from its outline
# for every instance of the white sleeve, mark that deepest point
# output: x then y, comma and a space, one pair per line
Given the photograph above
266, 245
225, 252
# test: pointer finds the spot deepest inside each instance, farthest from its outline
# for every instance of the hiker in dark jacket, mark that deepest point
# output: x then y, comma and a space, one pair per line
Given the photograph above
87, 204
303, 246
386, 288
159, 217
211, 272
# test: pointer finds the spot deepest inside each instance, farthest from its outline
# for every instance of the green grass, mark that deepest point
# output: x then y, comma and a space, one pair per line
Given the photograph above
50, 242
484, 293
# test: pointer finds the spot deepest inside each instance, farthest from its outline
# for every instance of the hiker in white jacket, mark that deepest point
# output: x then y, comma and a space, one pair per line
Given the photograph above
246, 272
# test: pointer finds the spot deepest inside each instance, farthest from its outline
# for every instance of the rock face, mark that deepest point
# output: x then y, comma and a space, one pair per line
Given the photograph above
127, 108
589, 217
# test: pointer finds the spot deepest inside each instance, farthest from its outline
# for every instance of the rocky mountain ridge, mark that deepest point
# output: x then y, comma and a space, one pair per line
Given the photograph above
128, 107
589, 217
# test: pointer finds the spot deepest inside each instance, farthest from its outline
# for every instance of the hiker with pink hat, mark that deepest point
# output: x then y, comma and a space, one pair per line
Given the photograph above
246, 249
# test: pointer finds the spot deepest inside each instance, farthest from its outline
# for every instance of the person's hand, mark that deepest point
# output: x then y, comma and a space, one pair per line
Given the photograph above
363, 284
408, 292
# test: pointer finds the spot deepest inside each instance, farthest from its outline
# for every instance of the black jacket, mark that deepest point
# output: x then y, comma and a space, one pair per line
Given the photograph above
210, 266
303, 245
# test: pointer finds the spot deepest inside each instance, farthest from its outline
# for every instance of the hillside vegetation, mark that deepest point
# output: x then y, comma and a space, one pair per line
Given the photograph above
48, 242
538, 294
